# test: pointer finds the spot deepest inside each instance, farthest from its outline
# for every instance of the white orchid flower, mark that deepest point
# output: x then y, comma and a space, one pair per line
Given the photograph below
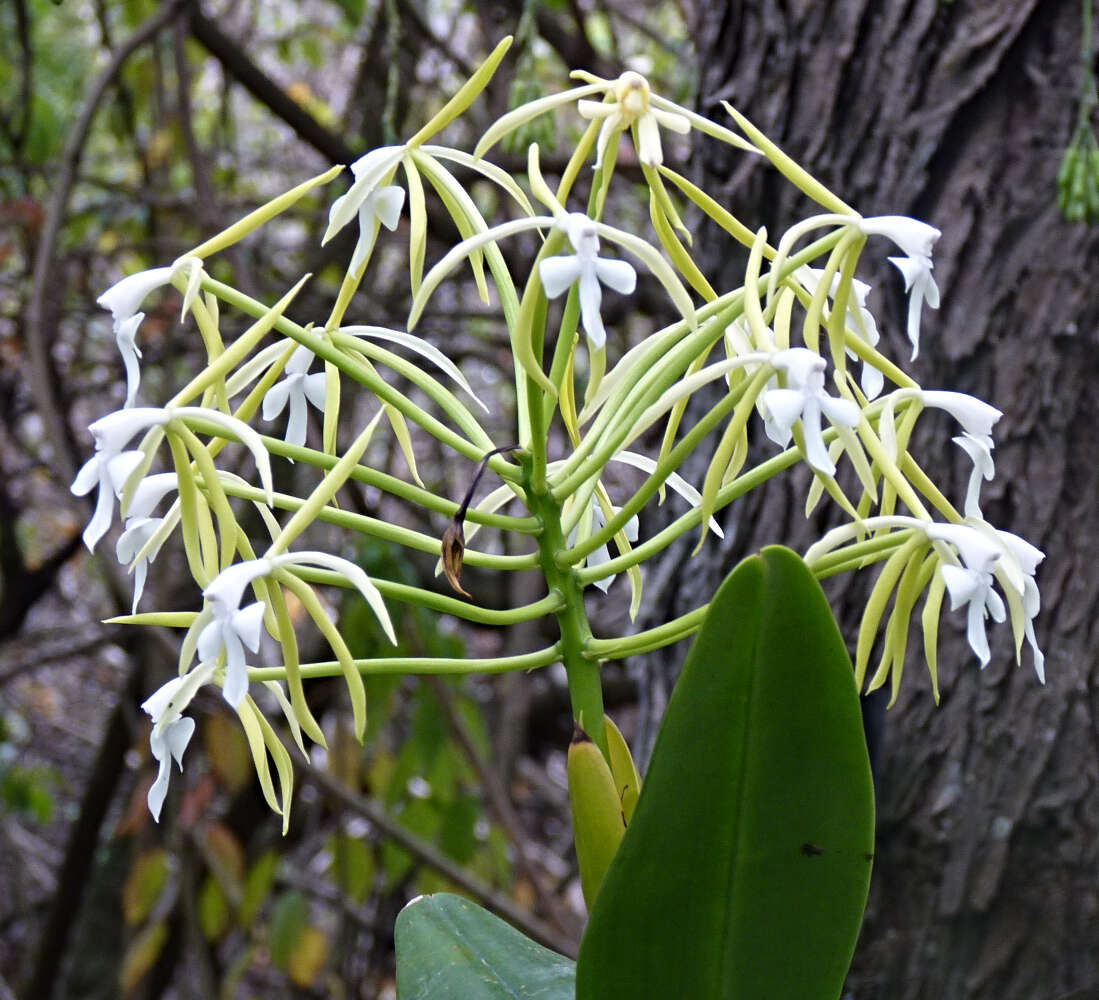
971, 584
632, 105
860, 321
172, 731
976, 417
804, 399
368, 200
295, 391
916, 239
114, 431
124, 300
232, 627
1028, 557
141, 527
225, 627
108, 470
585, 266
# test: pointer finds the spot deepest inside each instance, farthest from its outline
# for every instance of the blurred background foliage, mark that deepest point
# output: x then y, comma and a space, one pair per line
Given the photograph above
131, 130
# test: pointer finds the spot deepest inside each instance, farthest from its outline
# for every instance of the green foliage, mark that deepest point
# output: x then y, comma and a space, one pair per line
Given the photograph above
755, 826
451, 949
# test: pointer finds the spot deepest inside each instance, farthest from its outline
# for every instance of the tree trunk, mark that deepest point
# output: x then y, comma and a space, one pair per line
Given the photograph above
956, 113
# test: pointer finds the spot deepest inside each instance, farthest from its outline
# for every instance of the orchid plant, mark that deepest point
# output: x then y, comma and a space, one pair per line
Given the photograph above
794, 352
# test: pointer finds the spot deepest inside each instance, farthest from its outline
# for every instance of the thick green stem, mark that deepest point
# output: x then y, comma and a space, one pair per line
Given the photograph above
584, 677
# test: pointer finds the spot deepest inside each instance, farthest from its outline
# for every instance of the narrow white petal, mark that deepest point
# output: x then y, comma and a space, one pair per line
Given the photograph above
248, 624
141, 570
915, 238
138, 531
844, 412
89, 475
114, 431
226, 590
784, 406
616, 274
388, 202
236, 682
671, 120
125, 333
364, 246
276, 399
872, 381
300, 361
100, 523
119, 468
125, 297
975, 633
210, 641
558, 274
313, 387
596, 109
158, 790
975, 415
177, 735
150, 491
649, 150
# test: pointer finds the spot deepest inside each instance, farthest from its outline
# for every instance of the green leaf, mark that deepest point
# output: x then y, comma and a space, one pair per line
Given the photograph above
450, 949
755, 826
289, 919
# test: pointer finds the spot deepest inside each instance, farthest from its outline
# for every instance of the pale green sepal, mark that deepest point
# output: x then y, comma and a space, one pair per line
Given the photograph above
165, 619
658, 212
253, 220
237, 351
458, 253
355, 687
915, 577
196, 543
419, 346
523, 114
462, 210
930, 620
796, 174
332, 398
417, 224
732, 225
250, 719
324, 492
283, 766
723, 453
704, 125
465, 96
496, 174
879, 598
288, 712
291, 659
399, 426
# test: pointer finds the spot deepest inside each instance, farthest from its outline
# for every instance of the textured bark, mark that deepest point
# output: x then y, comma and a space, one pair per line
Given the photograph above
956, 113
